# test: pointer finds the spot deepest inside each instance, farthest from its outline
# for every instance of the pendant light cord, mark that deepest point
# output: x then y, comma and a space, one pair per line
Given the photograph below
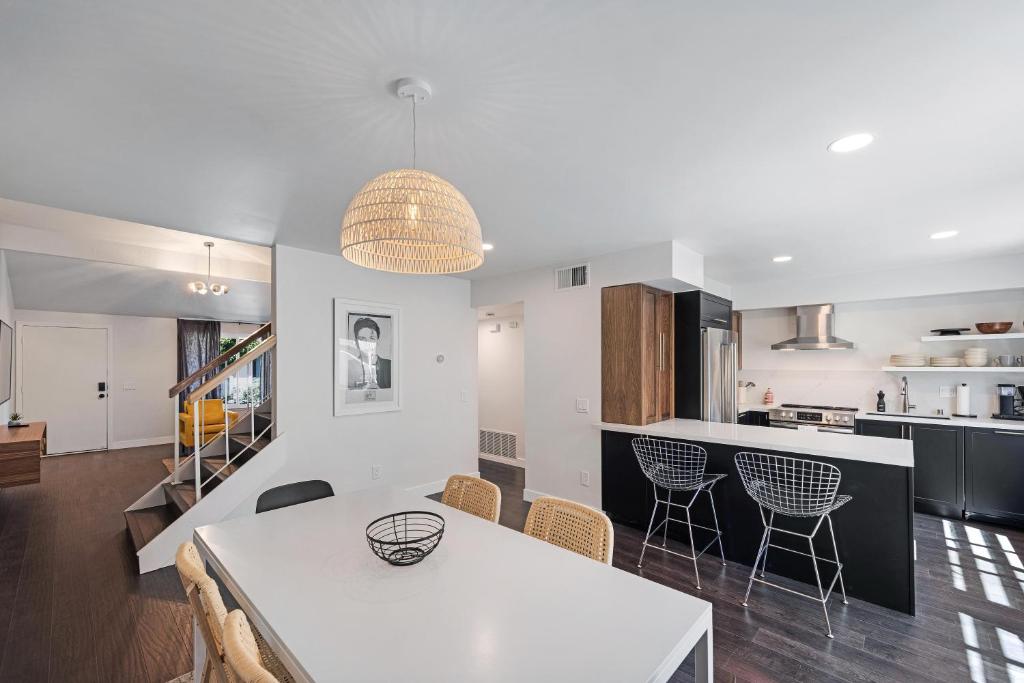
209, 264
413, 131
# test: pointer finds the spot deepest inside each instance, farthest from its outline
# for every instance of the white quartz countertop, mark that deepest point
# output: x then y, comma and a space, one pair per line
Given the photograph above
983, 422
875, 449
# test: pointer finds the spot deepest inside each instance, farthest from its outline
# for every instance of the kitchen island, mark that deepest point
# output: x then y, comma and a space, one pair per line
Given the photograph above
874, 530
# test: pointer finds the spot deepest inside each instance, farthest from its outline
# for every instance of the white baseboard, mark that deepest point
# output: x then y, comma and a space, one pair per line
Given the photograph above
507, 461
434, 486
136, 443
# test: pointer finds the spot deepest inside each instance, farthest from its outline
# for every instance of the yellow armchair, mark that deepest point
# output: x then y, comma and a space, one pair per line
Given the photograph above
211, 422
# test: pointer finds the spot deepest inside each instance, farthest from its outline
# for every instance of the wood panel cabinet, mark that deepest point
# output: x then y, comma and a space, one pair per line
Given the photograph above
20, 450
636, 355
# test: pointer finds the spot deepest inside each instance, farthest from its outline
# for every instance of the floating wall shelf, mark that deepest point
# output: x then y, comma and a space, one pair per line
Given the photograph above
928, 368
974, 337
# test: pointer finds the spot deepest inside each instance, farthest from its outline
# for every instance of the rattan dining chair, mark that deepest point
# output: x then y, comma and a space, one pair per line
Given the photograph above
473, 495
209, 610
242, 653
572, 526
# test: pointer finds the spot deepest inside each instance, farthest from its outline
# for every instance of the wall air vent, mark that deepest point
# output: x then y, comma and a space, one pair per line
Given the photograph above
501, 444
571, 277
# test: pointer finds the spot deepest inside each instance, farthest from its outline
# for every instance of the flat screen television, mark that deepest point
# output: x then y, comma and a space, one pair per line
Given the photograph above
6, 361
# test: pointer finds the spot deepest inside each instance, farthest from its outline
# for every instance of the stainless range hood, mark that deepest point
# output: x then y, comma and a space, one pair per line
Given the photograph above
814, 331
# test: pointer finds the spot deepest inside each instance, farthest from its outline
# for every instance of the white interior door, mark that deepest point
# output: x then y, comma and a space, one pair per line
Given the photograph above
62, 369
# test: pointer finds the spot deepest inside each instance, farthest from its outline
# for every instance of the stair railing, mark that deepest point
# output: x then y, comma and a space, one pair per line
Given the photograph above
219, 365
201, 439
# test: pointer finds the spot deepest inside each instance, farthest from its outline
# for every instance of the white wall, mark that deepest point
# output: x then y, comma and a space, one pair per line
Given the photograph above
562, 347
879, 328
433, 436
7, 315
144, 354
501, 378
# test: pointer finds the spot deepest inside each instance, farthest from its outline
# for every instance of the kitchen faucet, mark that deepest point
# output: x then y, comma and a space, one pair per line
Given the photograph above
905, 395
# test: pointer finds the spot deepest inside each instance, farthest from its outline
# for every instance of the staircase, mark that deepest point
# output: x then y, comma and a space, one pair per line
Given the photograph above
166, 515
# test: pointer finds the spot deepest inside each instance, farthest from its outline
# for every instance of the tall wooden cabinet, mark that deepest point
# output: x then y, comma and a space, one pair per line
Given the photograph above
636, 355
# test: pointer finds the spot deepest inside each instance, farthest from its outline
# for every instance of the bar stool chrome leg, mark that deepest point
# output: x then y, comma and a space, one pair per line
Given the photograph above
714, 516
677, 467
799, 489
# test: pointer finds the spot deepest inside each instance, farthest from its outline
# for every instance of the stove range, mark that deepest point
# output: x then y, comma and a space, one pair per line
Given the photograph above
826, 418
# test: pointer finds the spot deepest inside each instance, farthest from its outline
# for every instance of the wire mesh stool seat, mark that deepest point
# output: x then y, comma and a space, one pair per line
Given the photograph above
677, 467
793, 487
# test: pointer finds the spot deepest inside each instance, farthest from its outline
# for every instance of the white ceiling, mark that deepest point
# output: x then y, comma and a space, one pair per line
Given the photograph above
54, 283
574, 128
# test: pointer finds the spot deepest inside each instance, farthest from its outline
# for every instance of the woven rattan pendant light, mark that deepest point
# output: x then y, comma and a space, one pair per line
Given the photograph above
411, 221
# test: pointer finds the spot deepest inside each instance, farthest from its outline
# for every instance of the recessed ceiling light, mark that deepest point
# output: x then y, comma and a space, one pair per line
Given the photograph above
944, 234
487, 246
851, 143
782, 259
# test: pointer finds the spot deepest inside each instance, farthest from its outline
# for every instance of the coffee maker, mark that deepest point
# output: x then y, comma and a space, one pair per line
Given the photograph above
1011, 402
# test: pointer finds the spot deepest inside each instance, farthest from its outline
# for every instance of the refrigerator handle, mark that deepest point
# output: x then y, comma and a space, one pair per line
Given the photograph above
705, 375
730, 390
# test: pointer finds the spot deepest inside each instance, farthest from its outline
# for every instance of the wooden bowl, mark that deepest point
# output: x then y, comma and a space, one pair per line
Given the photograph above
993, 328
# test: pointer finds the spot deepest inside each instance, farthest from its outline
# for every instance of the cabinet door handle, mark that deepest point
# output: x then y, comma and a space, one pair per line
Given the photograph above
661, 352
1000, 431
910, 431
719, 320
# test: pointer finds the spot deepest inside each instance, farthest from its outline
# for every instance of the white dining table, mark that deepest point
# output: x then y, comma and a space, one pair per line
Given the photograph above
489, 604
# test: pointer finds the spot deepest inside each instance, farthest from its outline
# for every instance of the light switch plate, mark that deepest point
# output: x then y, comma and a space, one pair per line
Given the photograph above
582, 405
584, 478
947, 392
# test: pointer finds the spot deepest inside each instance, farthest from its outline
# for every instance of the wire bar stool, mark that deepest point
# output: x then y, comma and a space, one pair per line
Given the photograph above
677, 467
793, 487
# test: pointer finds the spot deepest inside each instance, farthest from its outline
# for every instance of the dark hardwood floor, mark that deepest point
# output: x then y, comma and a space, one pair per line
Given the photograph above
73, 609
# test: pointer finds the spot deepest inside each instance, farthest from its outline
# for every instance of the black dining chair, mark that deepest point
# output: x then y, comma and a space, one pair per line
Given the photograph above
293, 494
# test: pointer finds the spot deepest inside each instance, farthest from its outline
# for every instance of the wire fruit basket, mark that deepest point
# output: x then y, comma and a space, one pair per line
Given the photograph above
405, 538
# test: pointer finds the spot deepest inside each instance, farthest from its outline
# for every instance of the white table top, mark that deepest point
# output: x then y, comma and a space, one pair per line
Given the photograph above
875, 449
489, 604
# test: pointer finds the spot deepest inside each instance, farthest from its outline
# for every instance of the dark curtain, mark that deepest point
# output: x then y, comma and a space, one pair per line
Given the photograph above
198, 344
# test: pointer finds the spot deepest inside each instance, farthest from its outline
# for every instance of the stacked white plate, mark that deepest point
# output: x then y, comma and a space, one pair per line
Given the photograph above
945, 361
908, 360
976, 357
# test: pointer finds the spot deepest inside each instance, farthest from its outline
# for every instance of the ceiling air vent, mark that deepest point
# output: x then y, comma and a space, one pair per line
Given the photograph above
571, 277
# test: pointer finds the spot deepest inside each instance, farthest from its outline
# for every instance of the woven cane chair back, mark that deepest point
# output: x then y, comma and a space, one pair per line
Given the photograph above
241, 651
572, 526
473, 495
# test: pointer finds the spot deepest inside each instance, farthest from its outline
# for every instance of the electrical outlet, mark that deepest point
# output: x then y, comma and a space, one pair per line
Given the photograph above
584, 478
947, 392
464, 396
376, 471
582, 405
127, 386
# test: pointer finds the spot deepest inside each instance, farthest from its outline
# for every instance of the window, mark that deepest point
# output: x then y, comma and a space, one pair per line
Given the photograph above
242, 388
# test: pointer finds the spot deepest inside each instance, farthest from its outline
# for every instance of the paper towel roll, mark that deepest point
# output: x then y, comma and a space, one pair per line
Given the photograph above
963, 400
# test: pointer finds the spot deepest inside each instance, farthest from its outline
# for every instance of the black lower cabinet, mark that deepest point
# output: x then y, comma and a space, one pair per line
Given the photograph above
938, 462
994, 468
889, 430
874, 531
758, 418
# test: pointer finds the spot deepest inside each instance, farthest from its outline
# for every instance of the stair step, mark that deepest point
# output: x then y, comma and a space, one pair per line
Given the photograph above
182, 496
211, 465
144, 525
242, 440
262, 422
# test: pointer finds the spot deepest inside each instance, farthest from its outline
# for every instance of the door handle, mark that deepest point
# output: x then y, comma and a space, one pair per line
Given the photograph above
661, 352
102, 396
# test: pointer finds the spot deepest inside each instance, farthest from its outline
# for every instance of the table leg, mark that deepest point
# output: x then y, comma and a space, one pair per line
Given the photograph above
704, 666
198, 654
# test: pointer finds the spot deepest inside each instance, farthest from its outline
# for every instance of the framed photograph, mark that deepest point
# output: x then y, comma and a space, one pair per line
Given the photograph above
367, 362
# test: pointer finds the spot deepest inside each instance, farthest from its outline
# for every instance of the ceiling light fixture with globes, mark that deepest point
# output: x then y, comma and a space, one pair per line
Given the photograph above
200, 287
411, 221
782, 259
851, 143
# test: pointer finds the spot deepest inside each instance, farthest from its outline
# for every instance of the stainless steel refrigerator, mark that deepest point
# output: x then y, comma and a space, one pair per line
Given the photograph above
718, 374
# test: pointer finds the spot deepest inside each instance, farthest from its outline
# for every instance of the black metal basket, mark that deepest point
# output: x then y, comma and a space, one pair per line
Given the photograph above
405, 537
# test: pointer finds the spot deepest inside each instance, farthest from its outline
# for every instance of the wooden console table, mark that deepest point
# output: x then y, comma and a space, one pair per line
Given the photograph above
20, 450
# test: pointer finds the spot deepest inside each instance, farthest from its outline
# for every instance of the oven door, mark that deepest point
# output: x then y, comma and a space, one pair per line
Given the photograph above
836, 430
783, 425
